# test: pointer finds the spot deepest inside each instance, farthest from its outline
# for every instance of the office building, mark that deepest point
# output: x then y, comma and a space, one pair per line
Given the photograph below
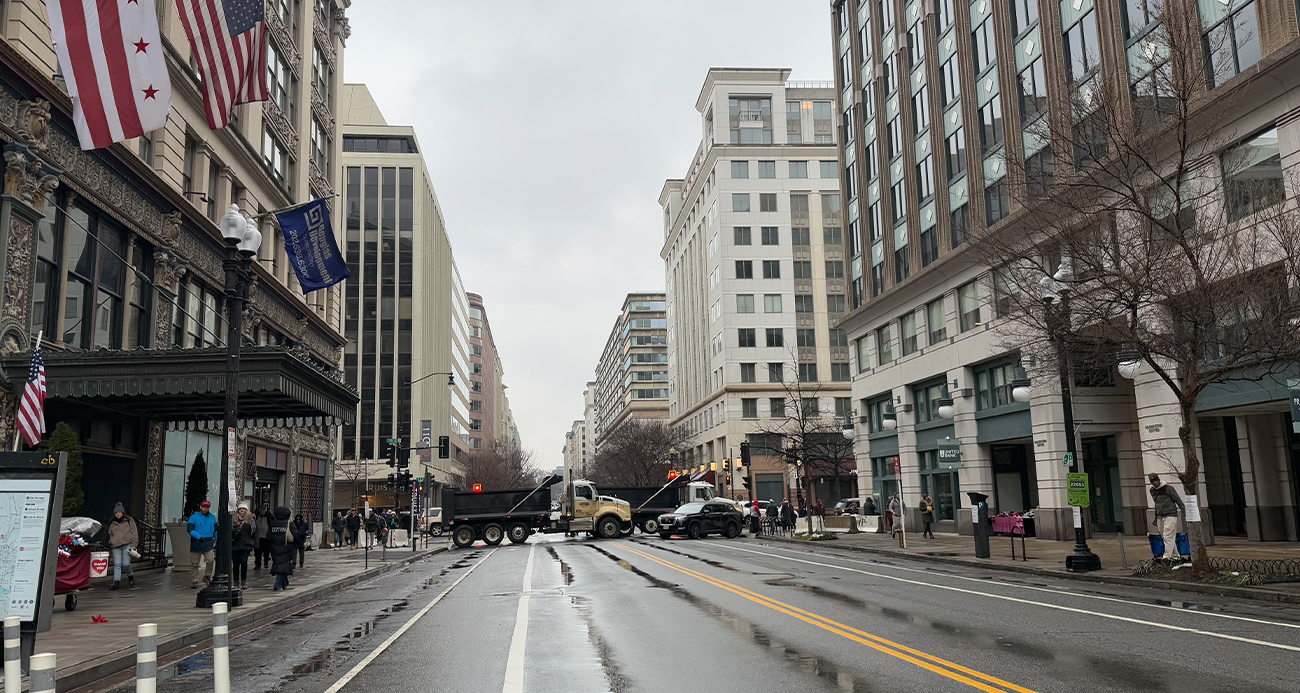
632, 376
490, 416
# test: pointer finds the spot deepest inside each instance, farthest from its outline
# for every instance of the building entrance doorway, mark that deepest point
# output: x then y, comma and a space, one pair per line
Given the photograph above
1101, 462
264, 495
1012, 489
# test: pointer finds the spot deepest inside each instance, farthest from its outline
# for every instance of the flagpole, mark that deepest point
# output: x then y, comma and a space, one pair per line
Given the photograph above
17, 432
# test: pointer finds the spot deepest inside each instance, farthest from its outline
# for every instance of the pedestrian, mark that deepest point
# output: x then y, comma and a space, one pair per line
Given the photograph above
202, 527
263, 546
301, 530
282, 548
869, 508
122, 535
756, 519
340, 527
374, 525
819, 511
243, 538
896, 511
787, 515
354, 527
927, 516
1168, 504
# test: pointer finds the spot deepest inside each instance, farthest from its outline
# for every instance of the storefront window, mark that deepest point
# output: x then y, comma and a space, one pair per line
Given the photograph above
940, 485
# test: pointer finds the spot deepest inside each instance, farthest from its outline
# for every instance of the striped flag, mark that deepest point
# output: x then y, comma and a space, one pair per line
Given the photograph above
31, 411
228, 38
114, 66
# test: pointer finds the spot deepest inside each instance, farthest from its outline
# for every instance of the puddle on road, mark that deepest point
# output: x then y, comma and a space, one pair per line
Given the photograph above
827, 671
614, 677
190, 664
564, 567
706, 561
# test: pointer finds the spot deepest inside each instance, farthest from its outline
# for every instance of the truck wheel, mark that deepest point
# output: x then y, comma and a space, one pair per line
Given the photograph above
463, 537
517, 533
650, 526
493, 534
732, 531
609, 528
627, 531
693, 530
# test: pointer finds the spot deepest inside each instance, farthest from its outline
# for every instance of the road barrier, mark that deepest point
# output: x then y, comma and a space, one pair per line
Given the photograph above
146, 658
220, 648
13, 655
42, 673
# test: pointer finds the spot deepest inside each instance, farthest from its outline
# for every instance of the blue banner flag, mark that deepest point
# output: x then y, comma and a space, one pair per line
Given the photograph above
309, 242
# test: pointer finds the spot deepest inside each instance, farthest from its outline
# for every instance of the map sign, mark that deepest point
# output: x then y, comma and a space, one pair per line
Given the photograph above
24, 506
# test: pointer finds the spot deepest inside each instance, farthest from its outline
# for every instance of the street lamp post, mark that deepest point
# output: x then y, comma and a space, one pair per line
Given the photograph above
242, 242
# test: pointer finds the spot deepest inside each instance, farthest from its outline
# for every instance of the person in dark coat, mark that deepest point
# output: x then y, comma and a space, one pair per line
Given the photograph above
243, 538
282, 548
354, 528
787, 515
301, 530
263, 545
340, 527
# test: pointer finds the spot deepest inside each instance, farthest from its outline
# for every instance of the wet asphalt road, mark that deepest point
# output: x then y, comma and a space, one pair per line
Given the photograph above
644, 614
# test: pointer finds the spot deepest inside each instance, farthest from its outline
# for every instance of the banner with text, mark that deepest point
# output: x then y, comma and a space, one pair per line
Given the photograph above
310, 245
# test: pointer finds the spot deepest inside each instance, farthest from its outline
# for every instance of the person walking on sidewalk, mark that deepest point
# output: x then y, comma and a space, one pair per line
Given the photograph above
282, 548
243, 538
203, 543
340, 527
354, 528
1168, 504
927, 516
302, 530
787, 516
896, 513
262, 548
122, 535
819, 512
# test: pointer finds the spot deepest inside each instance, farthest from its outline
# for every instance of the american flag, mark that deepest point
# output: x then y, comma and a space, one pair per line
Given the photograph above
31, 411
228, 38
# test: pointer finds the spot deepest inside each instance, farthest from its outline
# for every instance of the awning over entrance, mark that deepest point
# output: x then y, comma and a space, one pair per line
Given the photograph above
276, 386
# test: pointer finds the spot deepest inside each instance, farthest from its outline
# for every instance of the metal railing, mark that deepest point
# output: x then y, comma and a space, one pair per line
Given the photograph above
810, 85
1272, 569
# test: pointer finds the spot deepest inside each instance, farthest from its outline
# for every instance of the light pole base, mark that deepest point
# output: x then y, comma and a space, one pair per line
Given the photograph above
1083, 560
218, 591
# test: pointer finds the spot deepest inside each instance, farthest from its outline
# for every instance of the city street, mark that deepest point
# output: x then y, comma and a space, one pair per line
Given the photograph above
644, 614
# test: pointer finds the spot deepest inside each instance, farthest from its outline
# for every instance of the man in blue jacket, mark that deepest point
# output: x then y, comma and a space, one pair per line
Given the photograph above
203, 544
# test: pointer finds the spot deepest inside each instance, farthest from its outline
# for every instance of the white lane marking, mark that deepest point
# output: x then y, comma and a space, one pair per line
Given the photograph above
338, 685
1067, 593
1084, 612
515, 661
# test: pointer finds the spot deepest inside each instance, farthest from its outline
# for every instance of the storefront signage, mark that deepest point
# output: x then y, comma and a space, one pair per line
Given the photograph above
1077, 489
949, 454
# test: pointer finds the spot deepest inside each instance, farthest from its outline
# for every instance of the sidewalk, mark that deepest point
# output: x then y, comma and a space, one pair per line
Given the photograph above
1048, 558
89, 651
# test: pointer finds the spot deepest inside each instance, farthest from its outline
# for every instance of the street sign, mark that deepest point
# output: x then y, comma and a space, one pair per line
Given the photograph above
1068, 460
1077, 489
949, 454
898, 465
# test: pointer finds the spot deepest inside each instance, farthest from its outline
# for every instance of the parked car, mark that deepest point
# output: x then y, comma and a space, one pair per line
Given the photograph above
847, 506
698, 520
433, 521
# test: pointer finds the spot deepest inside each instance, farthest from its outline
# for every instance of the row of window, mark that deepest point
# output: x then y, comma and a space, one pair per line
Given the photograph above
776, 372
909, 333
799, 236
775, 337
797, 169
774, 303
779, 408
802, 269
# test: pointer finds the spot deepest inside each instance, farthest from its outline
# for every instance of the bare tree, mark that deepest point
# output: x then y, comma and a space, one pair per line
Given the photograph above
354, 472
637, 453
503, 465
1146, 234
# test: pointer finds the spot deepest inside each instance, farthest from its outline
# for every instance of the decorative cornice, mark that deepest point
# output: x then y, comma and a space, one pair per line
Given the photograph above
321, 109
279, 123
319, 183
342, 28
323, 41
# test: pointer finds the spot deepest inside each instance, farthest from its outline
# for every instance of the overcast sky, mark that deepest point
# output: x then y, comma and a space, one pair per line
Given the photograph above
548, 128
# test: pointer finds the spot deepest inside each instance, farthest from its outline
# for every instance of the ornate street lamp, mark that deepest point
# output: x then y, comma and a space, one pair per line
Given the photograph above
888, 419
847, 429
946, 409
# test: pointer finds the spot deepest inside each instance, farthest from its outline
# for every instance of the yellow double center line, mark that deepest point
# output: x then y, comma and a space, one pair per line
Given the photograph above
943, 667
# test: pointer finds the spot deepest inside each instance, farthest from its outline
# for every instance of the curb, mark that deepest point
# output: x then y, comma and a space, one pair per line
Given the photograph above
1175, 585
124, 659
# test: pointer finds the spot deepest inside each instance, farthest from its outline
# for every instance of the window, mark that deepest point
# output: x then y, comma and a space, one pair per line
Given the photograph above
863, 349
382, 145
843, 405
926, 400
772, 303
832, 236
1032, 86
875, 225
1038, 173
775, 337
1232, 44
771, 236
822, 120
767, 169
740, 169
92, 308
187, 173
840, 373
955, 153
1082, 51
798, 169
884, 348
830, 205
1090, 141
942, 485
771, 269
145, 148
996, 204
803, 303
894, 133
834, 269
949, 82
767, 202
878, 279
902, 264
799, 236
214, 180
959, 222
1138, 15
281, 86
776, 407
982, 47
775, 372
740, 235
1252, 175
749, 408
321, 74
744, 269
889, 73
943, 11
808, 374
1024, 14
915, 45
925, 179
936, 321
929, 246
276, 158
886, 13
830, 169
898, 202
802, 269
876, 417
740, 202
745, 337
793, 116
990, 117
1004, 291
806, 337
744, 303
872, 160
751, 110
910, 339
968, 306
837, 337
201, 323
993, 386
920, 110
835, 303
320, 145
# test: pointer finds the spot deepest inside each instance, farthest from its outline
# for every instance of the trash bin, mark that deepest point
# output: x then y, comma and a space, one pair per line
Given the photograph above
982, 526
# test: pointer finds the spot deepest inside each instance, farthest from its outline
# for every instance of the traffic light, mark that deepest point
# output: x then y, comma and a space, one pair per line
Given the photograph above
744, 453
444, 448
478, 488
392, 480
745, 480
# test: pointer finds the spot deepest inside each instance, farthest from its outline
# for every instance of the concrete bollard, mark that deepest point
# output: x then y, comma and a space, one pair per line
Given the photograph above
42, 673
13, 655
146, 658
220, 648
